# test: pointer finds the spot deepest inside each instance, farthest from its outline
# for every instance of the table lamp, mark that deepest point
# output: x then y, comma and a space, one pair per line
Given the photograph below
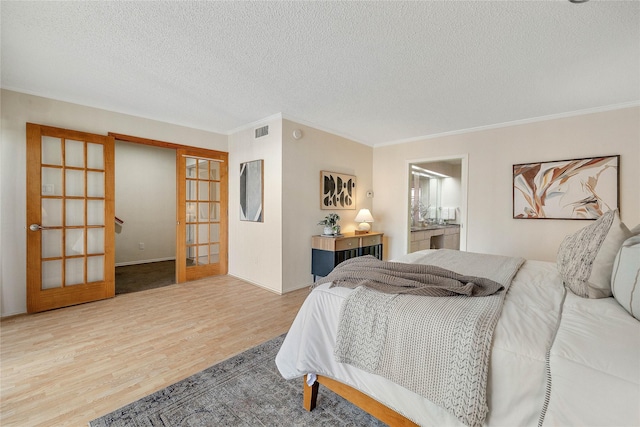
364, 218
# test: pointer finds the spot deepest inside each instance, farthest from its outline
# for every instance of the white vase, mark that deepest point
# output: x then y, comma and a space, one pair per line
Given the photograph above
327, 230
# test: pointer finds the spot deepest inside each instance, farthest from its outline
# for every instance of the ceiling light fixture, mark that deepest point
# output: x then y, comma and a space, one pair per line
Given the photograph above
427, 173
578, 1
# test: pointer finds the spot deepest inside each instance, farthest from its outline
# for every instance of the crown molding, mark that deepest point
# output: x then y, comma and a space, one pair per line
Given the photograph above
514, 123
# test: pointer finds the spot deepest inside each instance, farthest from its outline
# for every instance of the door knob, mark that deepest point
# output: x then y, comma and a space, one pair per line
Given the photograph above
36, 227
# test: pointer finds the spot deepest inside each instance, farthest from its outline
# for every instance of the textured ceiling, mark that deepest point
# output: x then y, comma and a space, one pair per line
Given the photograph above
375, 72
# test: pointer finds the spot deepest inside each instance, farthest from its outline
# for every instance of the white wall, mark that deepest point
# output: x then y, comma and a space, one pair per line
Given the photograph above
276, 254
146, 201
491, 155
303, 159
16, 110
451, 188
255, 248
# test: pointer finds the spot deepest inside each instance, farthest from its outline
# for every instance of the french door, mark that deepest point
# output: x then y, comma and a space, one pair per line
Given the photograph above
201, 235
70, 217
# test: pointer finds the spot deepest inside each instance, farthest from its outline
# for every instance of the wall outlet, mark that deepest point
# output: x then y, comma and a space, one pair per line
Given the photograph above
141, 246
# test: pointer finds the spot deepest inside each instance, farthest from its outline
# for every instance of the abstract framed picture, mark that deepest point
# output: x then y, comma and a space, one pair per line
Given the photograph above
251, 191
337, 191
566, 189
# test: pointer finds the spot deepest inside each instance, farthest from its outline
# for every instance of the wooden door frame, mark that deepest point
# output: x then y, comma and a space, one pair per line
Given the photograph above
180, 234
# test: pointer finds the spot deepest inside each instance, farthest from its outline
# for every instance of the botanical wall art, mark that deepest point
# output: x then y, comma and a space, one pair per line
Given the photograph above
337, 191
566, 189
251, 191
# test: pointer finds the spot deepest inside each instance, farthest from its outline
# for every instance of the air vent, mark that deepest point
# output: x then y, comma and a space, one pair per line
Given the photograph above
263, 131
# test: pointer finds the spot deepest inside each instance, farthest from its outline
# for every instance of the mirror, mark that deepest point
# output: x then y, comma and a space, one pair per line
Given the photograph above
251, 191
434, 192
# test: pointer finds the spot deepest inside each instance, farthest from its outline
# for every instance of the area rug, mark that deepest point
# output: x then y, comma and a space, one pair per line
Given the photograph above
245, 390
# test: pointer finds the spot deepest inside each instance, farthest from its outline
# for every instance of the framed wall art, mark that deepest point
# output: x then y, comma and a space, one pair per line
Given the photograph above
566, 189
337, 191
251, 191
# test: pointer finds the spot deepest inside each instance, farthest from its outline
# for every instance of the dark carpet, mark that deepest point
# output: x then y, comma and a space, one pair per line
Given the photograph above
140, 277
245, 390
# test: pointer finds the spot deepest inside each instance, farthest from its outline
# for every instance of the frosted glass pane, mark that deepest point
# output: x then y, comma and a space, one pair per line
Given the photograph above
95, 212
203, 212
191, 212
52, 212
214, 170
51, 274
191, 234
95, 156
95, 240
95, 269
74, 183
191, 190
214, 233
203, 170
202, 232
191, 255
197, 238
51, 243
203, 254
95, 184
214, 211
191, 167
75, 212
74, 272
74, 153
214, 254
51, 182
203, 190
51, 151
214, 196
74, 242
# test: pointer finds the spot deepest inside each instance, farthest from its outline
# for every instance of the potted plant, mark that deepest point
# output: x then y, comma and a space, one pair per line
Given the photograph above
330, 222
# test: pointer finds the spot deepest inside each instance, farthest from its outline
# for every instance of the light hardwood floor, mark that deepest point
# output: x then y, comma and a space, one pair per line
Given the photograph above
69, 366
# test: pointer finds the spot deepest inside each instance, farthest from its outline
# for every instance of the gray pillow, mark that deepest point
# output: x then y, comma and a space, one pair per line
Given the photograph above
585, 258
625, 279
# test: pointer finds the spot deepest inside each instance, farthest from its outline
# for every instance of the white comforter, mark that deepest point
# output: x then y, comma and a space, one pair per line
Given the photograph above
595, 359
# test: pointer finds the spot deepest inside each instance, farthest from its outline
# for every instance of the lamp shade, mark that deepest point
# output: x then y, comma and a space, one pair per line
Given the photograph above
364, 217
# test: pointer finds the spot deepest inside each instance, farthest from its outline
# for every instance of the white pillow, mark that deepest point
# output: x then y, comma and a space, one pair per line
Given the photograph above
625, 279
585, 258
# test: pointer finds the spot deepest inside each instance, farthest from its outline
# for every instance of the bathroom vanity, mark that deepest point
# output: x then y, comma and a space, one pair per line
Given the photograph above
445, 236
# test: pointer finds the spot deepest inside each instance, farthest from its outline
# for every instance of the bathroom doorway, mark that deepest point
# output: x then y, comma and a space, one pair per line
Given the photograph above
437, 203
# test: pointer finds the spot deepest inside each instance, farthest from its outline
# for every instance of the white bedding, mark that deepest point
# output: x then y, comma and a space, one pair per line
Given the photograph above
517, 376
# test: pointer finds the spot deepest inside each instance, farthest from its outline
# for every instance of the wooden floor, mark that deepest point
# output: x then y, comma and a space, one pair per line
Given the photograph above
69, 366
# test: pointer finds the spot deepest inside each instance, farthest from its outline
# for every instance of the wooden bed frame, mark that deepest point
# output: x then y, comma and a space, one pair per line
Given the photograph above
361, 400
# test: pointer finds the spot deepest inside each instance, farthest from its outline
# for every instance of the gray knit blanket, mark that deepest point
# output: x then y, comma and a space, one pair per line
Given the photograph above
436, 346
409, 279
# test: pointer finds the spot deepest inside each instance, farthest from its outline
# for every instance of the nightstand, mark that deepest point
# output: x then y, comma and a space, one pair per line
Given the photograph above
327, 252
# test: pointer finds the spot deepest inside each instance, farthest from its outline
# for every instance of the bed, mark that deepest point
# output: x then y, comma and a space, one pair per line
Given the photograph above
556, 358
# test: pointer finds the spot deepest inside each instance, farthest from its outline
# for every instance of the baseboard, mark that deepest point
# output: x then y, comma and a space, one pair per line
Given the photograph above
251, 282
302, 286
144, 261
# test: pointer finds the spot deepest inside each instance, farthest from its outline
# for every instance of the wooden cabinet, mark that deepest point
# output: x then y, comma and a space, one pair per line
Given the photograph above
447, 237
327, 252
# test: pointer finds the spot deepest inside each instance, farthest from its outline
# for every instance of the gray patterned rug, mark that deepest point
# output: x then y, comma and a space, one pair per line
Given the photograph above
245, 390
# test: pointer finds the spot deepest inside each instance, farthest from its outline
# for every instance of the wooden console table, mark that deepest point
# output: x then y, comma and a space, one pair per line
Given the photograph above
327, 252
